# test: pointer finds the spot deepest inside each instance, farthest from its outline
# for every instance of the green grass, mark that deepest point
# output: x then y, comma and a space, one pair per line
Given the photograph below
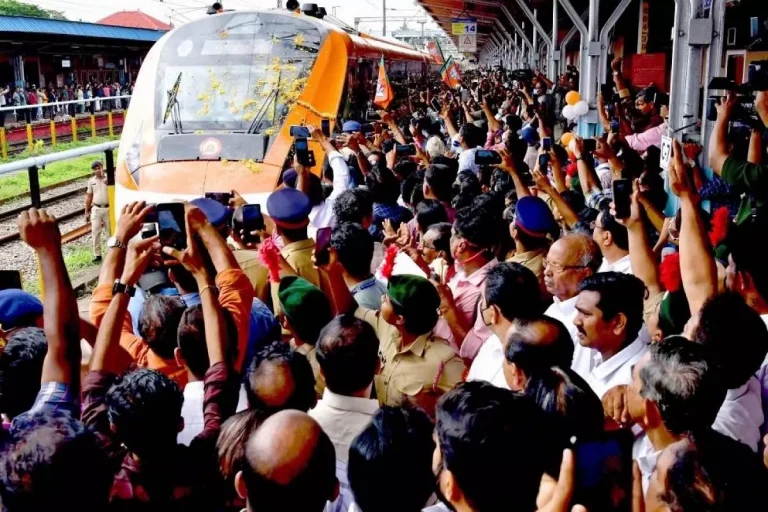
76, 259
56, 172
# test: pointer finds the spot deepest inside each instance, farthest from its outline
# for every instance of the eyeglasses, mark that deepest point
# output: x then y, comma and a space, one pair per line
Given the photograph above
557, 268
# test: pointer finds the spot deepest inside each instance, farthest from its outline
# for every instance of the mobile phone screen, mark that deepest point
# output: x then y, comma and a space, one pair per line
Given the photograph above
405, 150
543, 162
604, 472
487, 157
622, 193
302, 151
253, 220
325, 127
299, 131
590, 145
435, 104
615, 126
322, 246
10, 280
546, 143
171, 226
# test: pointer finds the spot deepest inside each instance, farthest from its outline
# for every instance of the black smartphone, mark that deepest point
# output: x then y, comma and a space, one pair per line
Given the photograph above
303, 154
405, 150
10, 280
322, 246
546, 143
219, 197
325, 127
435, 103
171, 226
543, 162
603, 471
622, 198
607, 91
615, 126
366, 128
300, 131
590, 145
148, 230
372, 115
252, 220
487, 157
712, 108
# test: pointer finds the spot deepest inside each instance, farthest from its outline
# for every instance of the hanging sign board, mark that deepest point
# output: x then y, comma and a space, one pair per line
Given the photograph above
460, 26
467, 43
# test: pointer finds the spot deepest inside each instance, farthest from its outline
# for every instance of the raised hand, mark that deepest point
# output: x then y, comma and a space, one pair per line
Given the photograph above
140, 253
131, 219
39, 230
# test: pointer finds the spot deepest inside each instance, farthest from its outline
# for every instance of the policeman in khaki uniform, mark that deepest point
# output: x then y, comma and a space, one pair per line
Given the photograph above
416, 366
305, 311
97, 207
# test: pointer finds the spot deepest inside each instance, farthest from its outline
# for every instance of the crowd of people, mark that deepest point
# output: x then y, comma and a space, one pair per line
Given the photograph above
32, 95
484, 307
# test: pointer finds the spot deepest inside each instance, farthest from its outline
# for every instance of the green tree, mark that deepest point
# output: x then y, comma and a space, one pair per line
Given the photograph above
14, 8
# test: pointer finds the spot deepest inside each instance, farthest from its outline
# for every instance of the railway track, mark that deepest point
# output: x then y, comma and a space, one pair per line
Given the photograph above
12, 237
19, 147
50, 200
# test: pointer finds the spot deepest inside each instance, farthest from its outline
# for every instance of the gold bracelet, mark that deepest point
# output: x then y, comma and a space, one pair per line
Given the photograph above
207, 287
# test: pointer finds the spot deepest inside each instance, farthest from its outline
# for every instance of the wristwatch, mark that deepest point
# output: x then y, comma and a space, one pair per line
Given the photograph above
114, 243
123, 288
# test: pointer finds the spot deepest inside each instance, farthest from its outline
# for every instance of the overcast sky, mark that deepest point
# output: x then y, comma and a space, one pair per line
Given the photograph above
180, 11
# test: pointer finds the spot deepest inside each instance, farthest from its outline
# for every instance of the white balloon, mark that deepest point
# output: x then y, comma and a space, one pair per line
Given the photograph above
581, 108
569, 112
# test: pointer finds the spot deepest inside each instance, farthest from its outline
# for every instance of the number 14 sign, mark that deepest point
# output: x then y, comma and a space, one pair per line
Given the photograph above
461, 26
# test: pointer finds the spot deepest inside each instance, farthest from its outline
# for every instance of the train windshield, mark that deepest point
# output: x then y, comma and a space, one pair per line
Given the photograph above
234, 72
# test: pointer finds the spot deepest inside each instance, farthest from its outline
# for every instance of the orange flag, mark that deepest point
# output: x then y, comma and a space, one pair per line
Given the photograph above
384, 92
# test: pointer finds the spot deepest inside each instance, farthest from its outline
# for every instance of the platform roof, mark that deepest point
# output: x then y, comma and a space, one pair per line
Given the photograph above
11, 26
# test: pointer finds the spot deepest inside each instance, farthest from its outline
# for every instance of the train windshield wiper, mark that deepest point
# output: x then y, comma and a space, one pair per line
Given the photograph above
172, 109
262, 112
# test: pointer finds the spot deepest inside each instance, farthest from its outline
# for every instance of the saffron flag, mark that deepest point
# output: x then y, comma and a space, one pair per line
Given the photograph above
451, 74
384, 92
434, 50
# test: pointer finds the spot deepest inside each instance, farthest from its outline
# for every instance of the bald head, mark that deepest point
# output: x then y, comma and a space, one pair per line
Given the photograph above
538, 345
570, 260
290, 464
280, 378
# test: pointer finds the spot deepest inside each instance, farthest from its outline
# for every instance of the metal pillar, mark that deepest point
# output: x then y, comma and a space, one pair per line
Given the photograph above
584, 33
538, 29
604, 38
567, 39
679, 64
695, 60
713, 68
518, 31
554, 49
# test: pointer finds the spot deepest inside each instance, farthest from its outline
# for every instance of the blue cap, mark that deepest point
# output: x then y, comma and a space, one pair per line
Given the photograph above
17, 305
217, 214
289, 208
350, 126
529, 135
534, 218
290, 176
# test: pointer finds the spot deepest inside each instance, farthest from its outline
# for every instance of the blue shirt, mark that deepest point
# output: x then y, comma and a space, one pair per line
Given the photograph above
264, 329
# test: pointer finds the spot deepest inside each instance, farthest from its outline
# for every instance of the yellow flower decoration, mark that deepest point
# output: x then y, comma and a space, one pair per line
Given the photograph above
298, 40
249, 116
204, 97
270, 131
224, 162
224, 34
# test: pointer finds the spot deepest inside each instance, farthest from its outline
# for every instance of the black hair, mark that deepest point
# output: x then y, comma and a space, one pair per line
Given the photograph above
465, 188
532, 353
396, 441
404, 168
21, 368
159, 322
443, 239
348, 354
382, 184
440, 180
191, 339
428, 212
354, 247
713, 472
515, 290
144, 408
353, 205
683, 384
473, 136
479, 226
735, 336
574, 199
480, 431
619, 233
741, 242
411, 188
451, 163
619, 293
46, 460
230, 445
567, 398
302, 386
292, 5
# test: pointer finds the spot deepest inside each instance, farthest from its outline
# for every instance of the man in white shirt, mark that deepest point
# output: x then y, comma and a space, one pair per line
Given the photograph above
674, 390
470, 138
613, 240
570, 260
609, 319
348, 354
510, 293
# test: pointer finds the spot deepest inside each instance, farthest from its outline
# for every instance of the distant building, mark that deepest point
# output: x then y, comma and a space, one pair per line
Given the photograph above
134, 19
